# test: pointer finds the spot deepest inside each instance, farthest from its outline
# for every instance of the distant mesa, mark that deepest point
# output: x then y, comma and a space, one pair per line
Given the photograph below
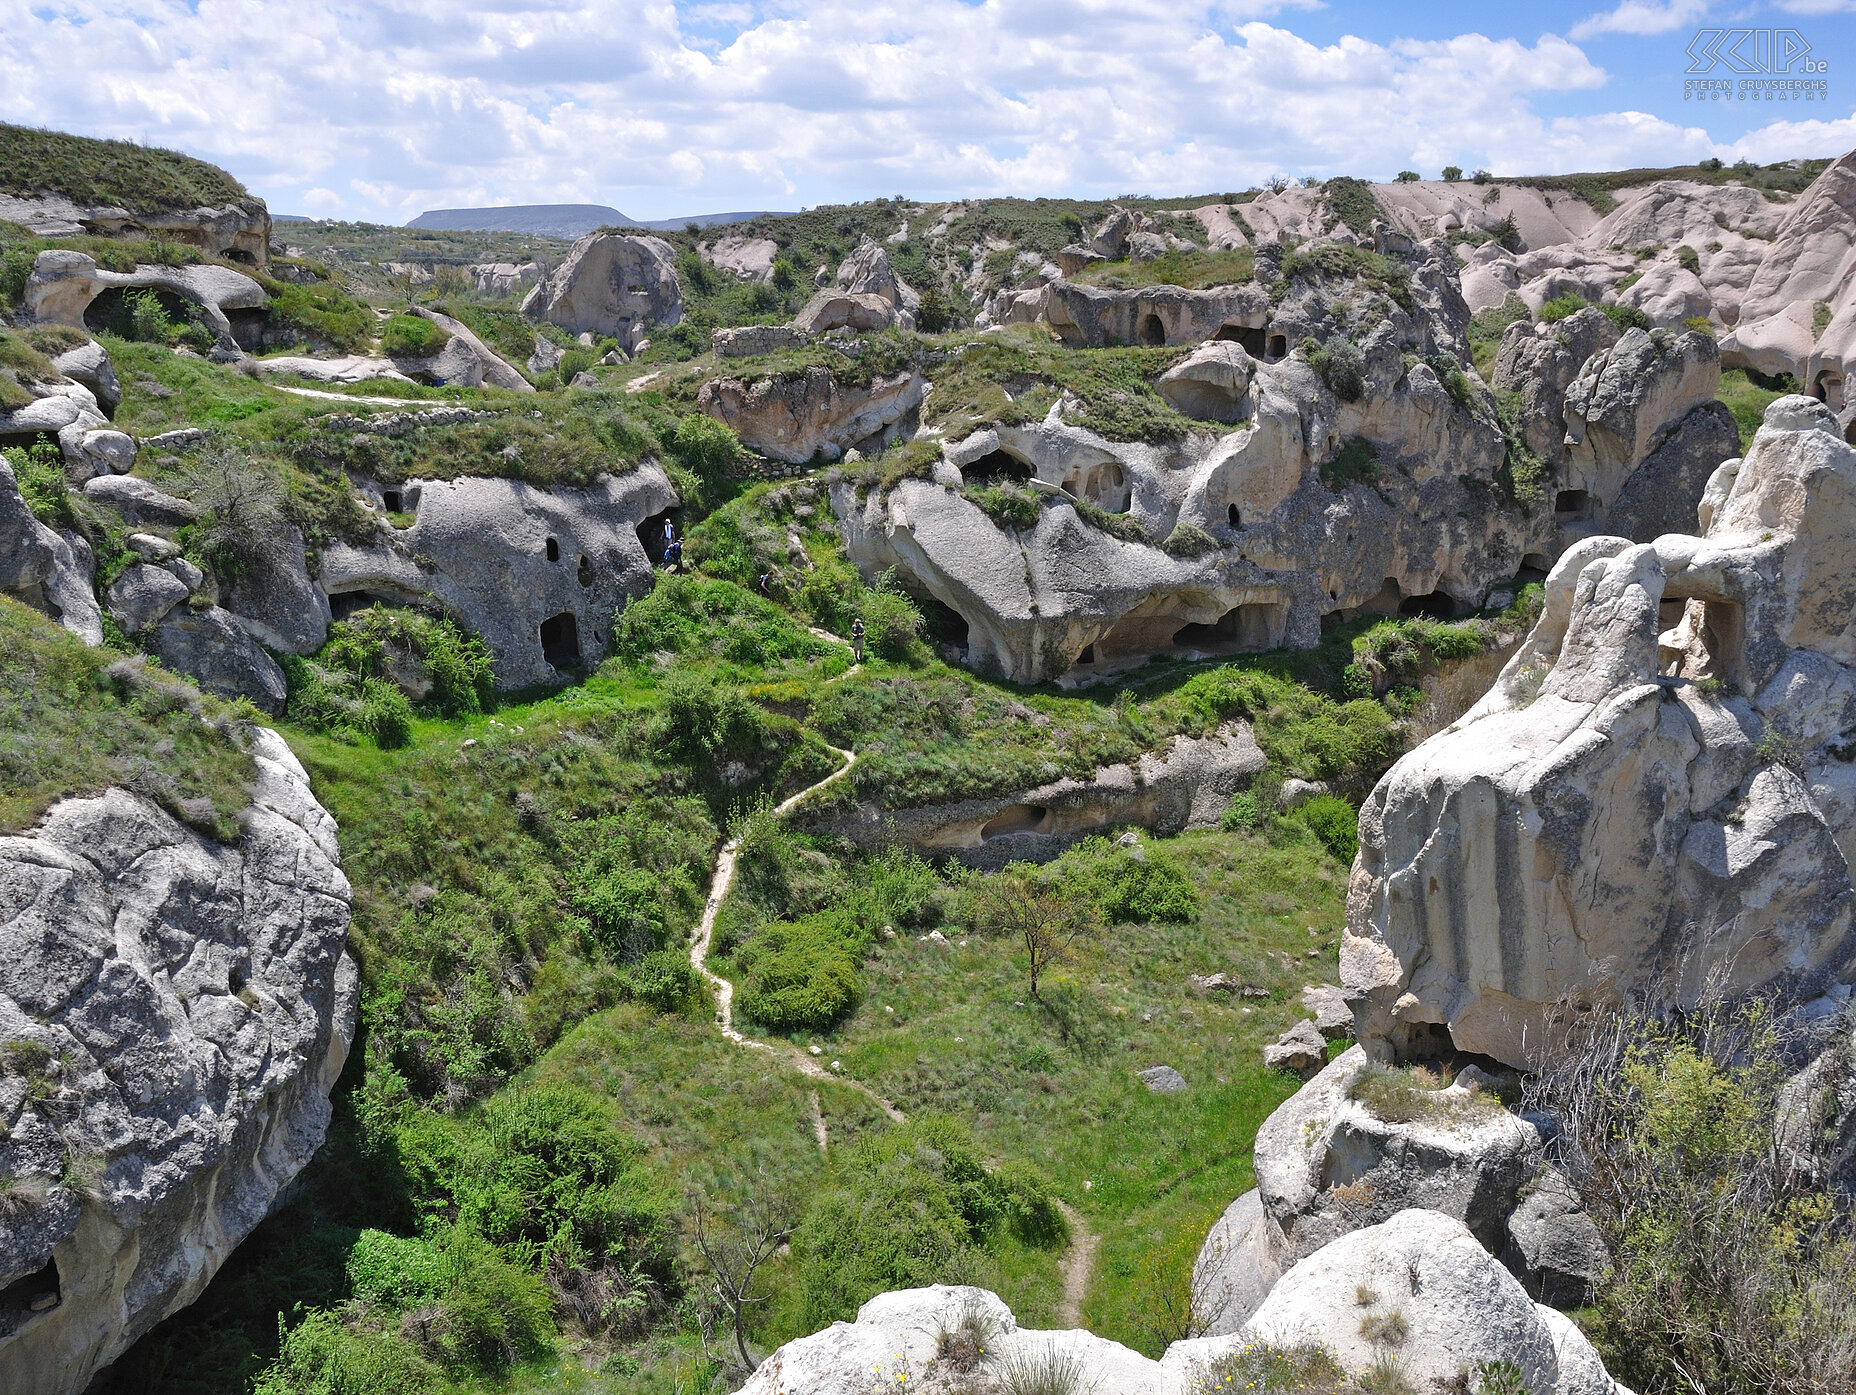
561, 219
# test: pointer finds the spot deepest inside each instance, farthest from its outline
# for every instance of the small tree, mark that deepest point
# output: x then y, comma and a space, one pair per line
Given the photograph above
1452, 173
1047, 918
735, 1246
1407, 176
241, 500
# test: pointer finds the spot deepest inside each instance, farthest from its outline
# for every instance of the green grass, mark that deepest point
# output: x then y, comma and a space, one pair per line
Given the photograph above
137, 177
1747, 400
71, 724
1193, 270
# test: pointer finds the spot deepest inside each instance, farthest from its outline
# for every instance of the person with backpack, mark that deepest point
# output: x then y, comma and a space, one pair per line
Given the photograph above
857, 638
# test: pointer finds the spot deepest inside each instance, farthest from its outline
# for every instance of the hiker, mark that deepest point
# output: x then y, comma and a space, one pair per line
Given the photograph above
670, 536
857, 638
766, 588
673, 556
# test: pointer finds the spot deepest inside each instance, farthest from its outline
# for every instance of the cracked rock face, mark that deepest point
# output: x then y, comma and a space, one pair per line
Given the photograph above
1659, 791
812, 415
173, 1014
611, 285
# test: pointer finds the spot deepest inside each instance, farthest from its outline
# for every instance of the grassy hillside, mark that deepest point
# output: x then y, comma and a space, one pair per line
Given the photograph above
139, 178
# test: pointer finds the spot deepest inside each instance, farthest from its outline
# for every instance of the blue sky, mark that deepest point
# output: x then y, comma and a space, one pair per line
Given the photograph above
378, 109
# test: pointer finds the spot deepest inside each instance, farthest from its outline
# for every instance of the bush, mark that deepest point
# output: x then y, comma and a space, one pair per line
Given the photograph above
700, 719
1341, 364
803, 976
1008, 505
387, 1269
707, 448
1627, 317
906, 1211
319, 1356
1732, 1265
1561, 307
1189, 540
353, 684
665, 979
412, 336
692, 616
1126, 888
1243, 814
1335, 823
1354, 463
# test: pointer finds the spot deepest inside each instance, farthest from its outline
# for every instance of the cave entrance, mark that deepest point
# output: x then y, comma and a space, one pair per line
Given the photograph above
944, 624
1534, 567
1708, 639
391, 501
343, 604
553, 549
1828, 389
996, 465
1256, 625
115, 311
30, 1294
652, 534
1433, 605
1151, 332
1278, 347
1104, 485
1233, 517
1019, 818
1571, 506
584, 573
1252, 338
560, 640
1088, 656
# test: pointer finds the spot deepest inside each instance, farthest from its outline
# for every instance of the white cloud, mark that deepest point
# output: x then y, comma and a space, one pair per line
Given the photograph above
384, 109
1643, 17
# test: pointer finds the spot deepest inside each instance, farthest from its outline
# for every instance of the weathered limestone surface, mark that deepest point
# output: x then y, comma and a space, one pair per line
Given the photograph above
1658, 790
195, 1004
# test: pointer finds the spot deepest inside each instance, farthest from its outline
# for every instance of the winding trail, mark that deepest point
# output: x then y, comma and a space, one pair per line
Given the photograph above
1078, 1260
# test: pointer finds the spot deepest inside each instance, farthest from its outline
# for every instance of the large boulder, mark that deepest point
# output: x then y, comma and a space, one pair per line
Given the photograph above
189, 1005
809, 415
867, 272
864, 310
536, 573
745, 258
465, 360
89, 364
1627, 398
48, 571
271, 595
1418, 1292
613, 285
138, 501
1656, 794
1210, 383
143, 594
211, 647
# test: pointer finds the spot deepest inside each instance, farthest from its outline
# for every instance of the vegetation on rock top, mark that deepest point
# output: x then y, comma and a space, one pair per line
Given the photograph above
140, 178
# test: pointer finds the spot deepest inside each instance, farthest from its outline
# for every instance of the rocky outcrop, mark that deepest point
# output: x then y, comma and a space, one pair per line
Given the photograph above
1094, 316
746, 341
810, 415
745, 258
536, 573
503, 278
1809, 263
175, 1012
63, 285
1262, 546
612, 285
866, 295
89, 364
1328, 1163
1210, 383
464, 361
867, 272
47, 570
1446, 1309
272, 595
1188, 785
211, 647
1656, 795
240, 231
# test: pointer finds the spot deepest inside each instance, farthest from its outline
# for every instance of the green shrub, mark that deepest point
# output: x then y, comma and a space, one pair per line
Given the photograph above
320, 1356
1131, 885
665, 979
695, 616
321, 310
1335, 823
892, 623
15, 271
1561, 307
1688, 259
412, 336
39, 471
700, 719
1008, 505
1626, 317
803, 978
388, 1269
1243, 814
1354, 463
1189, 540
707, 448
623, 908
906, 1210
934, 315
1341, 365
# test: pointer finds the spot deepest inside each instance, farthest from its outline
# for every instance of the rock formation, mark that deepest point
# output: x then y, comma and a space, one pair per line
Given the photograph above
239, 231
745, 258
503, 278
1657, 793
174, 1014
47, 570
1188, 785
1456, 1309
810, 415
612, 285
63, 285
866, 295
536, 573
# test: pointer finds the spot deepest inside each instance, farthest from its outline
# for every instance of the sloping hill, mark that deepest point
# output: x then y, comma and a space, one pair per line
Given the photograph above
548, 219
143, 179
